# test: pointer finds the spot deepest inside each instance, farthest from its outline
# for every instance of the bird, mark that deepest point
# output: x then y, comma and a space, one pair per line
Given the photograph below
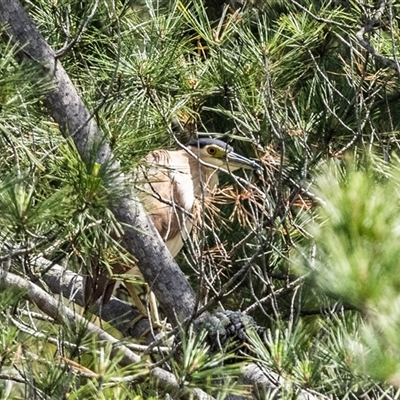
169, 183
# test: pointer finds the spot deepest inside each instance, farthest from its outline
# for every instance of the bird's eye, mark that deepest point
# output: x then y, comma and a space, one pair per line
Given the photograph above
211, 150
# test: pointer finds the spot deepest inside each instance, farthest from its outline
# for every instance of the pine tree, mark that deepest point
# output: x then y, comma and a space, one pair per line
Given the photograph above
308, 248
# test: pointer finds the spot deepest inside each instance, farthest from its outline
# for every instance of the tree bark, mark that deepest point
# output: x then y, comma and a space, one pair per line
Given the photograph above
141, 239
64, 315
119, 314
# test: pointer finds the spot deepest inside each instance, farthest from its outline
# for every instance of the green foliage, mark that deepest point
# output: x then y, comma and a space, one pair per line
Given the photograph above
360, 218
289, 83
195, 366
356, 242
318, 355
59, 361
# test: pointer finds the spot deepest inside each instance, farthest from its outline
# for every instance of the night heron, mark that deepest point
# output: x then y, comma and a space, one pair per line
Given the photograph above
170, 183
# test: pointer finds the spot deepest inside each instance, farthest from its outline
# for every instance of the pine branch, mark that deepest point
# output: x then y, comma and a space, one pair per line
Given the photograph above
65, 106
369, 27
268, 383
63, 315
117, 313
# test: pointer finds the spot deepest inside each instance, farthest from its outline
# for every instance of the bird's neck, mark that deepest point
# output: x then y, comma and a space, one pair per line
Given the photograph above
207, 178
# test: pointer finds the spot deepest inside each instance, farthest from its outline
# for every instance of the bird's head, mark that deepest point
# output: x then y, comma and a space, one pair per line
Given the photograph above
220, 154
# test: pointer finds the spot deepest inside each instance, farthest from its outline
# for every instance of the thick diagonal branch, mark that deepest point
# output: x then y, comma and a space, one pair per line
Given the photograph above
159, 269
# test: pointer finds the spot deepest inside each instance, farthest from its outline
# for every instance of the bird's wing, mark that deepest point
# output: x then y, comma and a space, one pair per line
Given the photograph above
166, 190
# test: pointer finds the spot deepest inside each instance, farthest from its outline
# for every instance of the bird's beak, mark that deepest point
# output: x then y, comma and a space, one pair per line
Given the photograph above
236, 161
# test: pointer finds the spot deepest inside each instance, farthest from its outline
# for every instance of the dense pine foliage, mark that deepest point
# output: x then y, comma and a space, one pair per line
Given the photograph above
309, 248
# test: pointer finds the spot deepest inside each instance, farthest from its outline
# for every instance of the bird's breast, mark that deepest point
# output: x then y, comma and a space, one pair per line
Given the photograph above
183, 190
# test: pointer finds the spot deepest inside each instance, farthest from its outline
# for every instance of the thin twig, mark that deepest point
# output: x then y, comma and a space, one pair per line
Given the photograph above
369, 27
79, 34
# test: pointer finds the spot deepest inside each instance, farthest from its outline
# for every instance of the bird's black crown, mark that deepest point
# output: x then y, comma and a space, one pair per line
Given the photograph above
202, 142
